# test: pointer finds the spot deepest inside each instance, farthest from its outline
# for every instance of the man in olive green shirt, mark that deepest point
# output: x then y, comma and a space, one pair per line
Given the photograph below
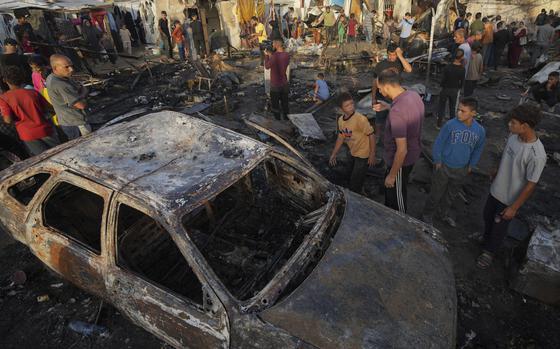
477, 26
328, 22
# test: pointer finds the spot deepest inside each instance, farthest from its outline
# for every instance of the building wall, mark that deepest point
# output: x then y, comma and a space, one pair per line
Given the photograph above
512, 10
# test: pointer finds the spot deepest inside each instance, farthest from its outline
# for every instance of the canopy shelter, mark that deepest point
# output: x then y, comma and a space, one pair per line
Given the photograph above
66, 5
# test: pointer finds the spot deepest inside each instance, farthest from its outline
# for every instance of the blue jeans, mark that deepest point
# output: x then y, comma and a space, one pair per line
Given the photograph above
181, 49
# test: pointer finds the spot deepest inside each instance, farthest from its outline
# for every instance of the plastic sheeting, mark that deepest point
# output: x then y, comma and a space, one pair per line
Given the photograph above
542, 75
230, 22
68, 5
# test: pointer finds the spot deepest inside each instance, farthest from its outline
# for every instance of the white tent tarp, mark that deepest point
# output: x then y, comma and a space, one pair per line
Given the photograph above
68, 5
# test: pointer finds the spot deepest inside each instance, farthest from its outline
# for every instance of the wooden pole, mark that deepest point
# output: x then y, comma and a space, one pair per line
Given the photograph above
431, 47
202, 13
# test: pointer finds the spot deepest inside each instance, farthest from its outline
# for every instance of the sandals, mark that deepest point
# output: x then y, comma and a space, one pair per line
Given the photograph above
484, 260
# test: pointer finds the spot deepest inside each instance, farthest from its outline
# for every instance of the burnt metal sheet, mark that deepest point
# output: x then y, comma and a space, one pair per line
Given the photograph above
307, 126
383, 283
169, 159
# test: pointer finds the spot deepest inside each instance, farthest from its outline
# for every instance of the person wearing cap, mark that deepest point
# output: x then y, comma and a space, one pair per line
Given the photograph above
12, 58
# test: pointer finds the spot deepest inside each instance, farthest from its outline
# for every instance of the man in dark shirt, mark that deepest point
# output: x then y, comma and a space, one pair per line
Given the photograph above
402, 140
198, 36
165, 35
501, 39
278, 62
395, 61
23, 27
541, 18
451, 83
12, 58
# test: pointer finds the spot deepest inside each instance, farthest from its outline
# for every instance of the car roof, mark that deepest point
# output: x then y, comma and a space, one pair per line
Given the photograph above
168, 159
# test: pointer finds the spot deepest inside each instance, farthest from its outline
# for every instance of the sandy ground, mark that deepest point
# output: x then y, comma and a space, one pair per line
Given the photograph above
490, 314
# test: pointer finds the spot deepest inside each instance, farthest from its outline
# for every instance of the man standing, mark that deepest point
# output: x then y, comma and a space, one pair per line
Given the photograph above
501, 39
68, 98
487, 42
26, 109
23, 28
198, 35
521, 166
541, 18
278, 62
12, 58
395, 61
369, 18
453, 77
406, 28
289, 19
259, 35
467, 23
545, 37
328, 22
402, 141
459, 37
165, 34
477, 26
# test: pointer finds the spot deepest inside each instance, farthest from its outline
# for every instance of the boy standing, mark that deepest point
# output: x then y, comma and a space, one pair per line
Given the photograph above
126, 39
352, 24
474, 70
521, 166
451, 82
26, 108
355, 130
406, 28
456, 151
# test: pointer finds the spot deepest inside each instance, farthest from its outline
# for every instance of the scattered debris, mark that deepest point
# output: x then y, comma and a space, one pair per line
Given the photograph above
539, 276
503, 97
87, 329
43, 298
307, 126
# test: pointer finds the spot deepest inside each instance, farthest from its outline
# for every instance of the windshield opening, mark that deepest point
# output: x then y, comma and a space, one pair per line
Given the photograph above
250, 230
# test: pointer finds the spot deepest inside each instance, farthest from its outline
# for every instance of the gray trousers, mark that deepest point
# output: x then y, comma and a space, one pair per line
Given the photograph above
446, 183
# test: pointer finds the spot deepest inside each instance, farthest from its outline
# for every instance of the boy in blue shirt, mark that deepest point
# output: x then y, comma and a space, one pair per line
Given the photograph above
321, 90
456, 151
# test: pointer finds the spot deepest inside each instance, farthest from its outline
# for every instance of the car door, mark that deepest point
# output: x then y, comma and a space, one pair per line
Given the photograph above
152, 283
67, 225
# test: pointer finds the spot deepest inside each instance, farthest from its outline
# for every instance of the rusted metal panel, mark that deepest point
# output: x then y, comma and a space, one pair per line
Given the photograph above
383, 283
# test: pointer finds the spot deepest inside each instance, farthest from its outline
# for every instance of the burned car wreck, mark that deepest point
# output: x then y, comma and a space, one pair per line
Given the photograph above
209, 239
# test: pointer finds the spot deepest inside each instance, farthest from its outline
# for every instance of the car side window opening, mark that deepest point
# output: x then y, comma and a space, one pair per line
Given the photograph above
146, 248
250, 230
76, 213
24, 190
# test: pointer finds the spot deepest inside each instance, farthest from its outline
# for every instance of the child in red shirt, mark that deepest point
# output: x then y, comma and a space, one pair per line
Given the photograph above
352, 25
26, 109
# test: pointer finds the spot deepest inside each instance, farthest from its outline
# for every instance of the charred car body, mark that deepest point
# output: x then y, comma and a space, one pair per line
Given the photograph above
209, 239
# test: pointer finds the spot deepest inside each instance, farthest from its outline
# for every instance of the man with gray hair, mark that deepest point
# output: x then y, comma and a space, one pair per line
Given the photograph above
68, 98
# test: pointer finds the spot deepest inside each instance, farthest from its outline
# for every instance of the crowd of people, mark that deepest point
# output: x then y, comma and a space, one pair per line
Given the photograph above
495, 35
187, 36
456, 151
47, 106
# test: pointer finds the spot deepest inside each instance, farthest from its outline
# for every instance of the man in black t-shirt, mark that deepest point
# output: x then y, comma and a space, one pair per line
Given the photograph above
395, 61
165, 35
502, 38
23, 27
451, 83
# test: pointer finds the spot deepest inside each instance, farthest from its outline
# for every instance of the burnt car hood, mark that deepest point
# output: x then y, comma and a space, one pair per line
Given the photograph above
383, 282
